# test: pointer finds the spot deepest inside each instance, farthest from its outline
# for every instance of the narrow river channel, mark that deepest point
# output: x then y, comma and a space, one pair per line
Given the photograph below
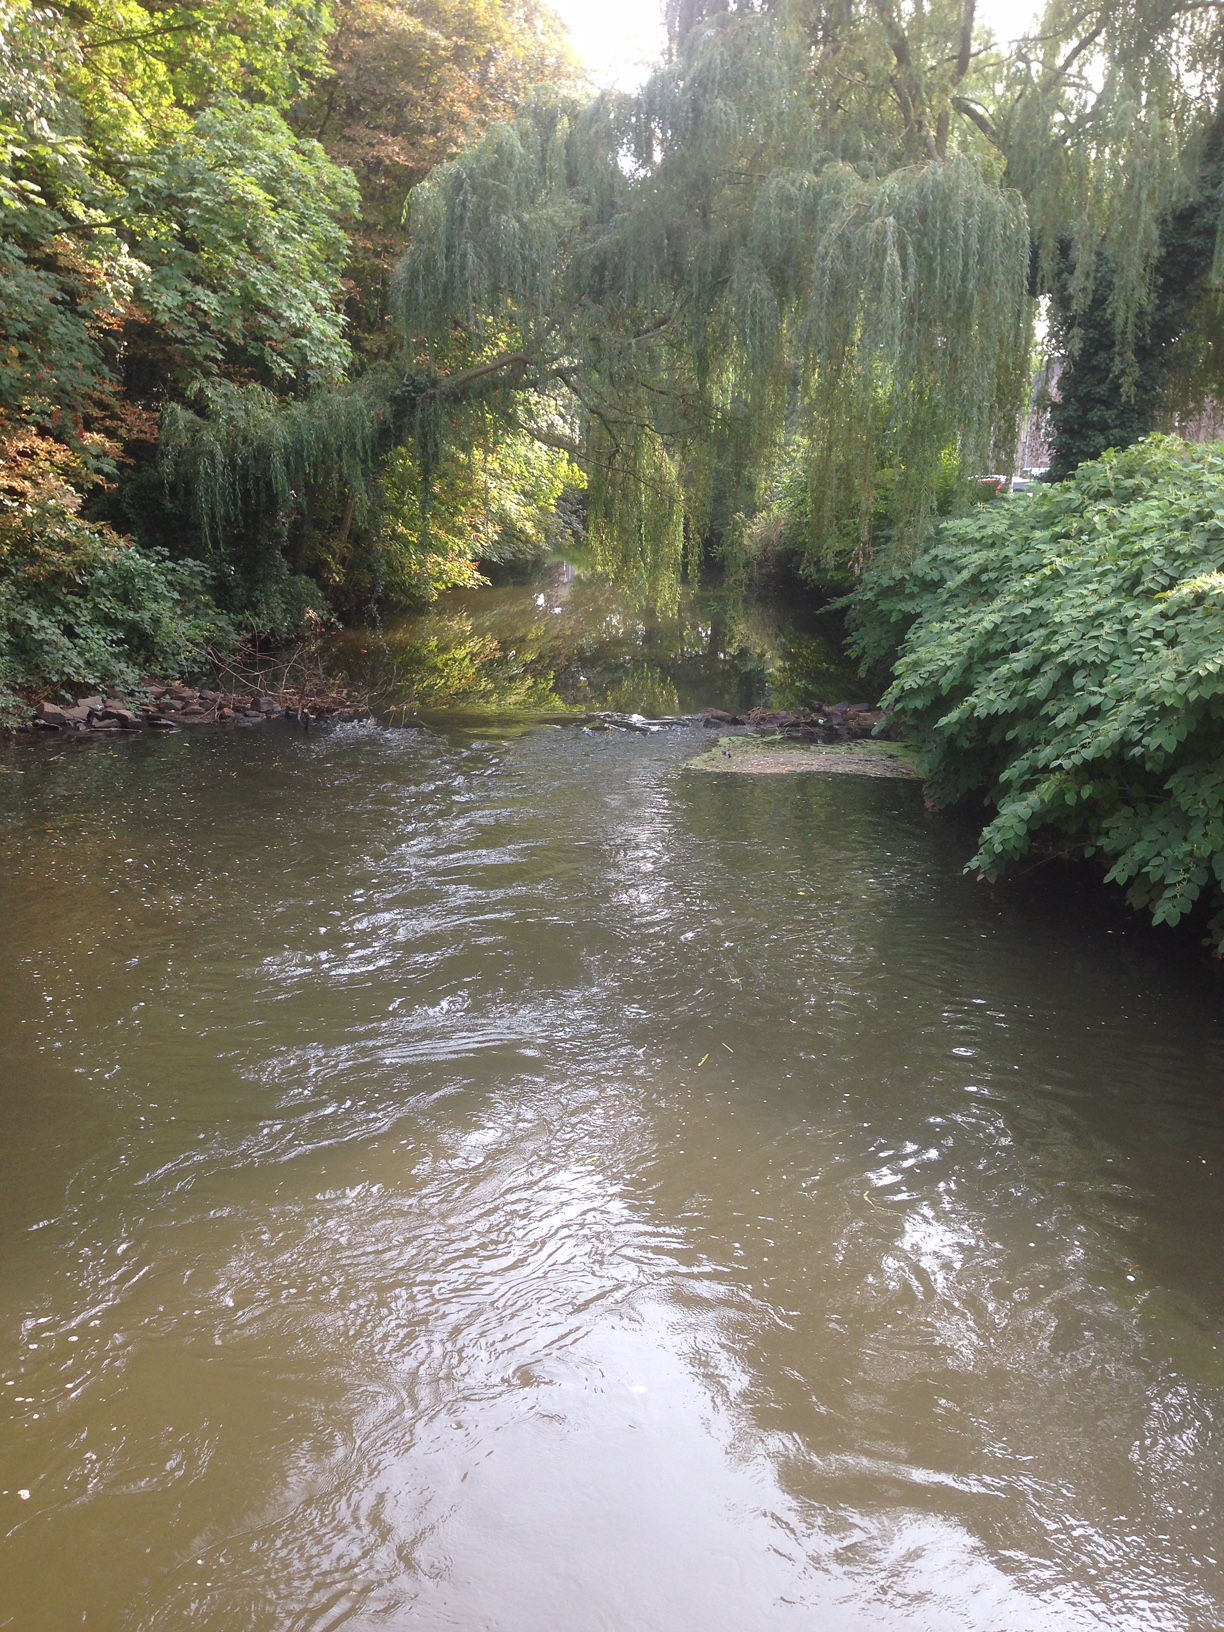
528, 1185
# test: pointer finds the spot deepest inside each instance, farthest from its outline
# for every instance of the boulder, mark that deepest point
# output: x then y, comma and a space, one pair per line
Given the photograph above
124, 717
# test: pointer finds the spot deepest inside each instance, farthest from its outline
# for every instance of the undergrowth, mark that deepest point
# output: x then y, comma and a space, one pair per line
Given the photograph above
80, 605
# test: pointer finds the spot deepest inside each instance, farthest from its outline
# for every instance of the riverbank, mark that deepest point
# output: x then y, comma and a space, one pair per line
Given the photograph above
161, 706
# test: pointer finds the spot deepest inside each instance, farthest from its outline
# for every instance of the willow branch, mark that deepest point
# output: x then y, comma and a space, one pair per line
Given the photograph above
976, 117
550, 439
455, 383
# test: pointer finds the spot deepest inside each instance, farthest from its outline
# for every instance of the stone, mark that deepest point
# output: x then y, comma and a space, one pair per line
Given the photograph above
124, 717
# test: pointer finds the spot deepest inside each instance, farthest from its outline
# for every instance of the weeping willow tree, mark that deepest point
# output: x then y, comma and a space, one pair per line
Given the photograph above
820, 225
753, 247
828, 223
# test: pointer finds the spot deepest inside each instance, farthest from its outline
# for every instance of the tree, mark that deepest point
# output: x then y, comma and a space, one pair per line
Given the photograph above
162, 230
175, 321
1111, 118
409, 82
791, 229
825, 224
145, 206
1062, 657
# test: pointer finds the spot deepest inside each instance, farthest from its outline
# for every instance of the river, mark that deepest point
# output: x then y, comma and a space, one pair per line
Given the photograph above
515, 1182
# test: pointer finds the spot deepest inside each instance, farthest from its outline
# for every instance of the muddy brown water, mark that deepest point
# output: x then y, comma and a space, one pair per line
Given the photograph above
529, 1186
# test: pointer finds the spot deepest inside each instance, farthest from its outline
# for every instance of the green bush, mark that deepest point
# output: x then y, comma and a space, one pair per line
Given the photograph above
1064, 654
79, 604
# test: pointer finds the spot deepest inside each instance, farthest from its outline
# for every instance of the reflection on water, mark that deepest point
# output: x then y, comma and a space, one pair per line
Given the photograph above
518, 654
534, 1187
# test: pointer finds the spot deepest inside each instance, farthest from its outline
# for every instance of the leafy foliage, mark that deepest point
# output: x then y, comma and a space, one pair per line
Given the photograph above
747, 249
78, 603
814, 227
238, 227
409, 82
1064, 653
132, 220
492, 504
240, 462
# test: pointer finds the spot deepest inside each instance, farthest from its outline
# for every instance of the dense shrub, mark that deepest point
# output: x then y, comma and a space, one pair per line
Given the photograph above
79, 604
1064, 653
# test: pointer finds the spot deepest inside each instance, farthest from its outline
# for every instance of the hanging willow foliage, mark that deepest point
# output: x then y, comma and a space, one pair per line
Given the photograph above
823, 220
691, 274
1110, 115
244, 458
820, 225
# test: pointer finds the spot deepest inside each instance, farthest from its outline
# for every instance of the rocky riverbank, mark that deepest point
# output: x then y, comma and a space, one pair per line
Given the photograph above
820, 722
158, 706
175, 706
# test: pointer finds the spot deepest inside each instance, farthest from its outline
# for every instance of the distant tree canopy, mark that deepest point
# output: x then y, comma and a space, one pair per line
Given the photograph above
408, 84
827, 222
159, 221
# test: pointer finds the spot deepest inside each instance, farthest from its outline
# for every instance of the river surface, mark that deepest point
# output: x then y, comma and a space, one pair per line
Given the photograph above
499, 658
527, 1185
